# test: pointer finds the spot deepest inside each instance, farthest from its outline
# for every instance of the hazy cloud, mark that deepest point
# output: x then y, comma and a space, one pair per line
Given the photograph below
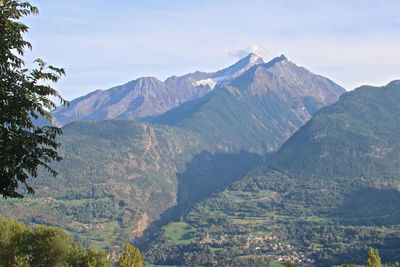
253, 48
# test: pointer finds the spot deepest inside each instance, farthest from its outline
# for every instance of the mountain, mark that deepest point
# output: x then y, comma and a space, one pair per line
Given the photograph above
359, 133
112, 174
123, 179
257, 110
331, 191
149, 96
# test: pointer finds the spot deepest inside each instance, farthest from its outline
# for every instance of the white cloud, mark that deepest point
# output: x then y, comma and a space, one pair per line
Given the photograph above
253, 48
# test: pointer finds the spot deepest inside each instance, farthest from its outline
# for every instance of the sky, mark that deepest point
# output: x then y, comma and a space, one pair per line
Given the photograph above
104, 43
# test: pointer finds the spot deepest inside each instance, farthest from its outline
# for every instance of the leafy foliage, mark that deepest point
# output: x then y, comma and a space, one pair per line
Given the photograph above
130, 258
373, 258
44, 246
24, 96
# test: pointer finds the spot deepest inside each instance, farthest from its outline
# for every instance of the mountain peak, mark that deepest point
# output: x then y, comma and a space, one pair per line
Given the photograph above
252, 58
282, 57
272, 62
239, 67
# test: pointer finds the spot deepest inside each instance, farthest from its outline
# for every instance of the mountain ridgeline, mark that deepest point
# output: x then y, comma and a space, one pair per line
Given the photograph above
356, 137
149, 96
251, 105
330, 191
258, 110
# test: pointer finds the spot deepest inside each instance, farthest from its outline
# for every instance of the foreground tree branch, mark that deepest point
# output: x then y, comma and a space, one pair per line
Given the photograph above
25, 95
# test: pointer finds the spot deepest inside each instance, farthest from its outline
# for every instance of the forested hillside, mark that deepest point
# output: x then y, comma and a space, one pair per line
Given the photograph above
118, 176
331, 191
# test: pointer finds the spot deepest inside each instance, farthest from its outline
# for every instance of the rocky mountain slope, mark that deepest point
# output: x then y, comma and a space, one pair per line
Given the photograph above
149, 96
258, 110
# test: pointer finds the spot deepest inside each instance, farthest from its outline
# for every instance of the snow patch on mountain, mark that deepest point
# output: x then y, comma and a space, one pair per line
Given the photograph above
254, 58
226, 75
210, 82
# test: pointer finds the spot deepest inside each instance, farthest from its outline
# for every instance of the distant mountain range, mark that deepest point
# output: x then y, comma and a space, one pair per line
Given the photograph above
199, 133
149, 96
258, 88
331, 191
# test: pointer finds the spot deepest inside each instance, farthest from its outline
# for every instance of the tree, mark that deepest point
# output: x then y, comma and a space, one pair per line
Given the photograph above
50, 246
25, 95
14, 237
45, 246
96, 259
76, 256
373, 258
130, 258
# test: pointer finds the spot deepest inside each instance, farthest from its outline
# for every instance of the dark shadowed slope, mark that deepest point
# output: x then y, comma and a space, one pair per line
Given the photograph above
118, 176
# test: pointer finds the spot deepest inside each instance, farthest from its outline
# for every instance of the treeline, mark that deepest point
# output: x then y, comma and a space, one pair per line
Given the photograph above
51, 246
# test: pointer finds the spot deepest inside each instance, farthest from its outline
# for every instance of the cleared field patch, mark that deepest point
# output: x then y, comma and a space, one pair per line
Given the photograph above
101, 238
240, 196
180, 233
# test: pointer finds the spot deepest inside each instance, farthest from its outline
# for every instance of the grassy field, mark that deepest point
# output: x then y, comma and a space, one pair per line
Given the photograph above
180, 233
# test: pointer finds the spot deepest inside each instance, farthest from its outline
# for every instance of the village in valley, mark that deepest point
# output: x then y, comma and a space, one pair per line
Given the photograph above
268, 245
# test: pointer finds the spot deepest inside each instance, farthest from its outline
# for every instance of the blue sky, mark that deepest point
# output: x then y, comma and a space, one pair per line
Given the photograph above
106, 43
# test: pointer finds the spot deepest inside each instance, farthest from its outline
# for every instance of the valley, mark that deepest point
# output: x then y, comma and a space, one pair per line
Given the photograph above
308, 193
177, 133
255, 171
